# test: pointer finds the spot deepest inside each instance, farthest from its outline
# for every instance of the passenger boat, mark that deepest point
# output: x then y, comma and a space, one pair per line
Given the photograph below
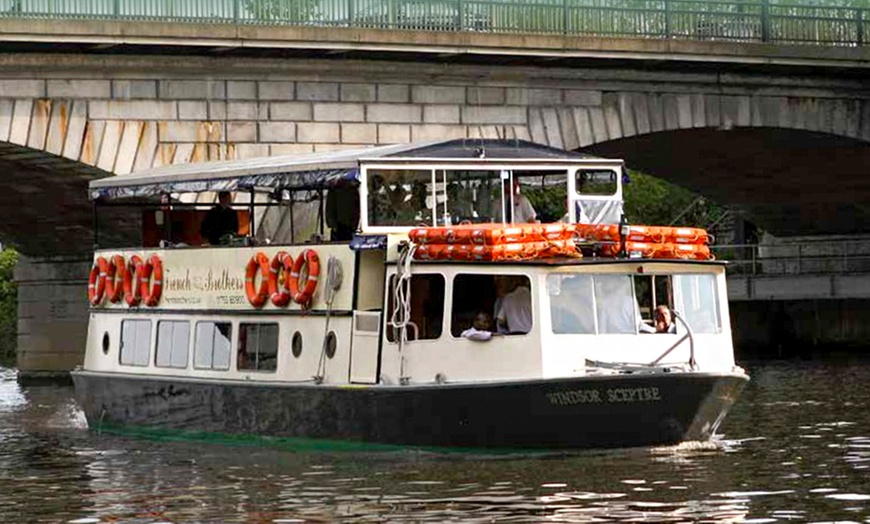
431, 318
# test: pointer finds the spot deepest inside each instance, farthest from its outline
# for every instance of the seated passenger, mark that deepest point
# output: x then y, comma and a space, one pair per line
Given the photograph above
513, 307
481, 328
220, 220
663, 321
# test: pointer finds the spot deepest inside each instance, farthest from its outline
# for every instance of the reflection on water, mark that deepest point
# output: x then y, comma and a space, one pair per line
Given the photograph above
795, 449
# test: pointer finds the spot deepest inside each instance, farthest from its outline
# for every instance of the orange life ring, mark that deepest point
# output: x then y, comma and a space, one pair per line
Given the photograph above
117, 270
279, 291
132, 269
257, 296
97, 281
151, 284
311, 262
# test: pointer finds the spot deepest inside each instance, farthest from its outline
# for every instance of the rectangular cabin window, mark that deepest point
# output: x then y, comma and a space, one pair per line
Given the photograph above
258, 347
697, 301
212, 345
426, 297
595, 200
495, 303
615, 304
135, 342
173, 340
653, 292
599, 182
400, 197
463, 196
572, 309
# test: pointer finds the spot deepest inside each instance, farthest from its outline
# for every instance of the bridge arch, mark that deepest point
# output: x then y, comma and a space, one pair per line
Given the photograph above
794, 165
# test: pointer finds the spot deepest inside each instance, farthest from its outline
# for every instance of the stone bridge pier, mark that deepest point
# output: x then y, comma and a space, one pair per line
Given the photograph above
762, 141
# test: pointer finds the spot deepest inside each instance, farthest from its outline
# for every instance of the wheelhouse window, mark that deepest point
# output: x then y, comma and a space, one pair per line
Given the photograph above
697, 301
653, 293
572, 309
615, 305
496, 303
629, 304
212, 345
173, 341
426, 307
258, 347
135, 342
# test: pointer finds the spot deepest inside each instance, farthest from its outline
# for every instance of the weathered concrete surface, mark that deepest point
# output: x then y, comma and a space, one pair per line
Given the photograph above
52, 315
756, 141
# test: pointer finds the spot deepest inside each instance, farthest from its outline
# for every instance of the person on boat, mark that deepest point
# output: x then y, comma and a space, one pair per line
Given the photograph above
481, 328
342, 211
220, 220
523, 212
513, 305
663, 320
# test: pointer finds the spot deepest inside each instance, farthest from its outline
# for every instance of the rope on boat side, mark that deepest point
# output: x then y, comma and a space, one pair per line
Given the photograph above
333, 282
400, 318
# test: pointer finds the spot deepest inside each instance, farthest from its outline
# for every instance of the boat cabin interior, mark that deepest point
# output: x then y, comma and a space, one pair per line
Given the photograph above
323, 283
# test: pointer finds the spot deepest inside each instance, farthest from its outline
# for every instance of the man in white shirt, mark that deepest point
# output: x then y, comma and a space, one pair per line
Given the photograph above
513, 309
523, 211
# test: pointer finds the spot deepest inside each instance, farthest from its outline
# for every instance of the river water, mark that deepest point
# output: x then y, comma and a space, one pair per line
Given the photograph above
796, 448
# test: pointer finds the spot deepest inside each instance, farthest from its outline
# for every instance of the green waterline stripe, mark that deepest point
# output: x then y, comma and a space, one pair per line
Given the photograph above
305, 444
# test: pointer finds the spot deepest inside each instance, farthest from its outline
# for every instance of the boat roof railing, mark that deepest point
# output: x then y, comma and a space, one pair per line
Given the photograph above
316, 170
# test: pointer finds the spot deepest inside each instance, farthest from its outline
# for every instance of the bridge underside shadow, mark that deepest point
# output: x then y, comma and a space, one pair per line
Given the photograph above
789, 182
44, 207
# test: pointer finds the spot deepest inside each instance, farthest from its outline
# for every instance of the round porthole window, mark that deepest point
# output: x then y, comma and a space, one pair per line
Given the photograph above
331, 344
106, 343
297, 344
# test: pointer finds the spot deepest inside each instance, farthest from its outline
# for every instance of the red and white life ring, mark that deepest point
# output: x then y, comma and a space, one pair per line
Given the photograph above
151, 283
97, 281
132, 276
115, 275
302, 295
279, 289
257, 295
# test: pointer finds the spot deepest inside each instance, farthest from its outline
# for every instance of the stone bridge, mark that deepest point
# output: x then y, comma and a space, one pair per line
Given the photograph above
777, 131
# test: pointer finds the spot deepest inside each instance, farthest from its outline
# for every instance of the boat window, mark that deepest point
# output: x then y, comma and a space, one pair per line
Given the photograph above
212, 345
595, 200
602, 182
135, 342
572, 309
173, 339
497, 303
696, 300
258, 347
427, 307
652, 291
614, 304
400, 197
468, 197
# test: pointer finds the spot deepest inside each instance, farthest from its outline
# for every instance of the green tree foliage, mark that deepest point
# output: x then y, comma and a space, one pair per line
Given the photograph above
648, 200
282, 10
651, 200
8, 307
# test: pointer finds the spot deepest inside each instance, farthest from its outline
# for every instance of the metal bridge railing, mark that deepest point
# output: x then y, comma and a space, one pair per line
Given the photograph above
807, 258
744, 21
